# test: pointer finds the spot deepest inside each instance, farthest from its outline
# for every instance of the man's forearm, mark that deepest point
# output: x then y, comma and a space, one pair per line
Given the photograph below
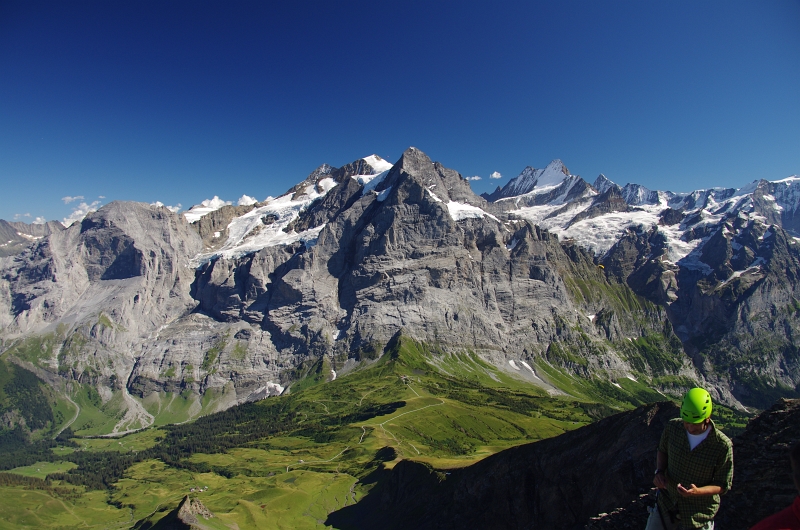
708, 490
660, 479
661, 460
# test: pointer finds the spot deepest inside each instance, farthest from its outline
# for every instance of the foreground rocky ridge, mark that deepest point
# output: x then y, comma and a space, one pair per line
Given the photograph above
139, 303
557, 483
762, 480
596, 477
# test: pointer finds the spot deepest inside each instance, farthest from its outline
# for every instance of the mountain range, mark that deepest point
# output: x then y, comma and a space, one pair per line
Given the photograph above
558, 281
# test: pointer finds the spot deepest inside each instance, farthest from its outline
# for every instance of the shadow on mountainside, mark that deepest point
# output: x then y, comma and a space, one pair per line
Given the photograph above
557, 483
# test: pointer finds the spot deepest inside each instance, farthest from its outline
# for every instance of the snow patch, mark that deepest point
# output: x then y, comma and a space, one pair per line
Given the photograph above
513, 364
788, 180
433, 195
264, 226
370, 182
383, 194
459, 211
378, 163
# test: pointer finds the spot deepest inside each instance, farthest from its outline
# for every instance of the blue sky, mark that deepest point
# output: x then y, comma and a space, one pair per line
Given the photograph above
180, 101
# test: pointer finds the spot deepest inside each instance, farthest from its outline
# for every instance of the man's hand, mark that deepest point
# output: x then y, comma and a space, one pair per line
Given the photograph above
660, 480
687, 492
694, 491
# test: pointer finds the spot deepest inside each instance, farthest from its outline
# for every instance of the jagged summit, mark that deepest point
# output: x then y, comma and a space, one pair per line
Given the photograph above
602, 183
532, 180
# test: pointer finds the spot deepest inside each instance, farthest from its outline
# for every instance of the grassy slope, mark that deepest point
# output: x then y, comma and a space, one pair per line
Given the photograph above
447, 410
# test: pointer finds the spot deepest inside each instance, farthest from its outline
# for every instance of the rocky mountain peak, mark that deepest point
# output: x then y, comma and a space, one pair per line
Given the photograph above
637, 195
441, 184
603, 183
533, 180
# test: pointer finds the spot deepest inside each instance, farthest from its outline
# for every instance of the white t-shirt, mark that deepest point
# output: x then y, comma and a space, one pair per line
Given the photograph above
695, 439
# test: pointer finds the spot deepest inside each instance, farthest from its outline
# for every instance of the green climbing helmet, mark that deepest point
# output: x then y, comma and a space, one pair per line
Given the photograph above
696, 406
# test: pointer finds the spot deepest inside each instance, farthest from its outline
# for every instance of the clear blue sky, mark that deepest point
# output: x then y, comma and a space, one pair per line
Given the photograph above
179, 101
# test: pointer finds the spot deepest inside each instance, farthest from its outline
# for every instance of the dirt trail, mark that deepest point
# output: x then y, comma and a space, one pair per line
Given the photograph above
70, 422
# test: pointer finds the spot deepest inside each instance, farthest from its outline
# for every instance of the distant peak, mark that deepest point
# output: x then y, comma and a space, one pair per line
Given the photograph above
557, 165
602, 184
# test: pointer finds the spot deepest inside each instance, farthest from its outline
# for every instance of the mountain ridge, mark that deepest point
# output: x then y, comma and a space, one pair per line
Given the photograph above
140, 303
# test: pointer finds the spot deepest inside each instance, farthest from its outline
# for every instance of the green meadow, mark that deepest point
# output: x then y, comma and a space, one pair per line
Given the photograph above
289, 461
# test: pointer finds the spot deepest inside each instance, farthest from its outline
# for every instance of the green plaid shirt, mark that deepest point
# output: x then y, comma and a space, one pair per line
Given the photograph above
711, 463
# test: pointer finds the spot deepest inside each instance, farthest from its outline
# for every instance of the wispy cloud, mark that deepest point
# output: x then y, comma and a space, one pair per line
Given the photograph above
80, 211
496, 175
173, 209
39, 221
101, 196
476, 177
69, 199
18, 216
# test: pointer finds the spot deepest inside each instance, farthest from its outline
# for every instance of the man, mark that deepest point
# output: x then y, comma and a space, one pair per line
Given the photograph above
788, 519
694, 466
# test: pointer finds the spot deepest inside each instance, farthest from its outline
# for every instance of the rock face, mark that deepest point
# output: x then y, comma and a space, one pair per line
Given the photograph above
723, 262
762, 480
98, 292
190, 514
419, 253
15, 237
191, 511
556, 483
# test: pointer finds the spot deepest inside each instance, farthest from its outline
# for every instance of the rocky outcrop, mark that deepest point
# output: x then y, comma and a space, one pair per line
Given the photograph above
762, 479
190, 514
596, 477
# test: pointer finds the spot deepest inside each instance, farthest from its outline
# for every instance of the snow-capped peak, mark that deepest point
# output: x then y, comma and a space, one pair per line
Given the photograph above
551, 176
537, 180
636, 195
